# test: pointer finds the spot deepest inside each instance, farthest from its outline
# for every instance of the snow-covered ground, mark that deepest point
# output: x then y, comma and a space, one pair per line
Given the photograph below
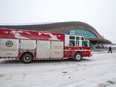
96, 71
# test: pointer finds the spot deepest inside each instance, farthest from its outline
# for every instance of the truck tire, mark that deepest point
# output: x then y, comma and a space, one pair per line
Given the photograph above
27, 58
78, 56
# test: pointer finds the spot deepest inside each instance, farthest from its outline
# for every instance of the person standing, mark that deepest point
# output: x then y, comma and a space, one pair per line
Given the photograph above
110, 49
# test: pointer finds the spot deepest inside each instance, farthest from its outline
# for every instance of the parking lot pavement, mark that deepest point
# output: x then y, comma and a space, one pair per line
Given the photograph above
96, 71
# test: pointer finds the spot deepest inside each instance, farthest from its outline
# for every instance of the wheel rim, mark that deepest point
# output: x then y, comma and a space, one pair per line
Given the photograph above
78, 57
27, 59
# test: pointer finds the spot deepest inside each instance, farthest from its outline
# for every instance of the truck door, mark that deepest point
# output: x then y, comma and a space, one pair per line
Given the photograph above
9, 47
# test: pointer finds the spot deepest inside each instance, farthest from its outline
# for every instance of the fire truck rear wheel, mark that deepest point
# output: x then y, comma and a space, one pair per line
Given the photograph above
27, 58
78, 56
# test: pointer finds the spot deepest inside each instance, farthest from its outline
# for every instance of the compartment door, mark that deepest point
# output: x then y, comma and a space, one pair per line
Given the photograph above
9, 47
43, 49
28, 44
56, 49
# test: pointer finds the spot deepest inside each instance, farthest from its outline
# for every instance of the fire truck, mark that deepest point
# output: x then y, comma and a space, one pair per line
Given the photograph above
29, 45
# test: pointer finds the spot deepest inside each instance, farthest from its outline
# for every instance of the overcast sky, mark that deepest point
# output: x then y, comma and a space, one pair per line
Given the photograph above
101, 14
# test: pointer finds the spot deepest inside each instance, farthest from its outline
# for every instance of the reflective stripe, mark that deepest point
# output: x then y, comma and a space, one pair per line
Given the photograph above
77, 50
8, 58
50, 58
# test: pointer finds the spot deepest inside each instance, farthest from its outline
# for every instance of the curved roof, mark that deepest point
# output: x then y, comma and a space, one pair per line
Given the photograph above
100, 40
60, 27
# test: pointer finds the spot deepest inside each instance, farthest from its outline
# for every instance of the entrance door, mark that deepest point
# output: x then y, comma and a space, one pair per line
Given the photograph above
43, 49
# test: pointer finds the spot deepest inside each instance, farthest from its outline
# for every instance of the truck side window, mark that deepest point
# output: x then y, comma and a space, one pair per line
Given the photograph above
72, 41
77, 41
84, 43
82, 38
77, 38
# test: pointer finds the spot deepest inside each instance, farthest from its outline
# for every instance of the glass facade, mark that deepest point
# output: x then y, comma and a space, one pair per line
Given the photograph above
83, 32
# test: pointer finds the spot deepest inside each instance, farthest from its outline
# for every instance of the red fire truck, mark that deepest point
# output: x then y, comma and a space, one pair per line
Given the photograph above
29, 45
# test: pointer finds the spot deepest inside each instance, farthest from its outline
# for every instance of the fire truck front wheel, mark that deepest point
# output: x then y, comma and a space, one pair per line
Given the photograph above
27, 58
78, 56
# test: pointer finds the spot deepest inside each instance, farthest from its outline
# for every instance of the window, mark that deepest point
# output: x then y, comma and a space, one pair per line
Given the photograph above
72, 41
77, 42
77, 38
81, 38
72, 37
83, 32
84, 43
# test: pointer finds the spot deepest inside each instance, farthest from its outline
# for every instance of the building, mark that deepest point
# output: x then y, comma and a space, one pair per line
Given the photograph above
74, 28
